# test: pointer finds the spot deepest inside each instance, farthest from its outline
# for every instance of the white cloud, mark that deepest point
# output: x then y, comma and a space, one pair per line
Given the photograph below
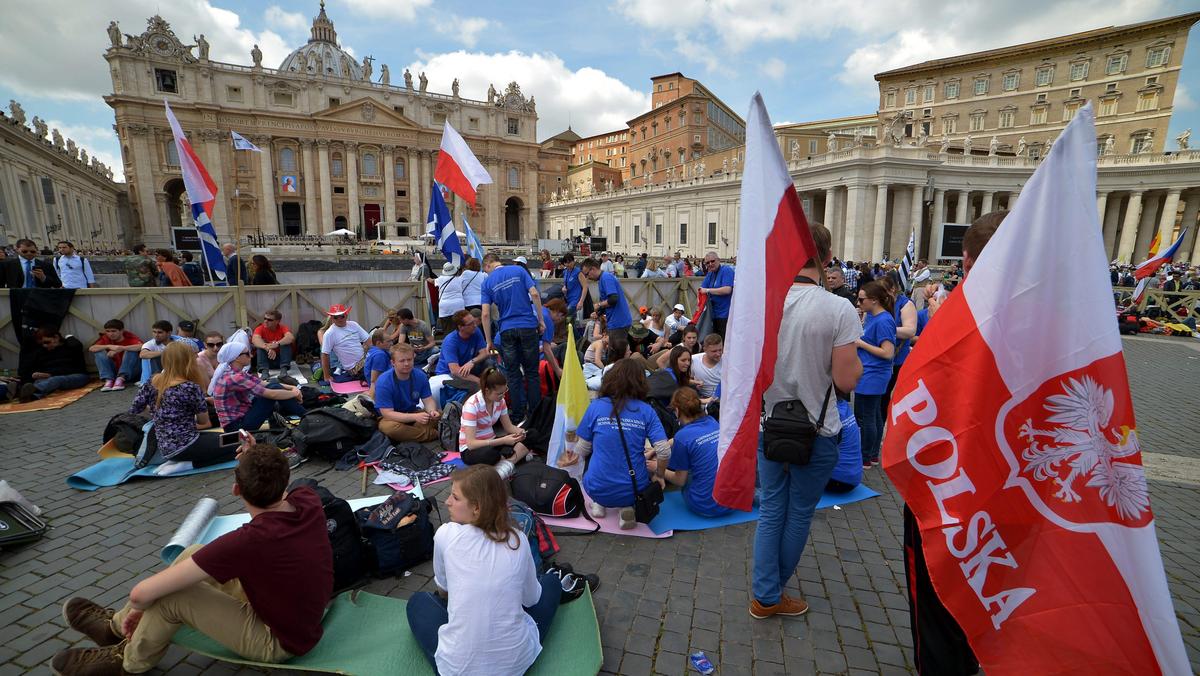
465, 30
98, 141
285, 21
774, 68
588, 97
400, 10
1183, 98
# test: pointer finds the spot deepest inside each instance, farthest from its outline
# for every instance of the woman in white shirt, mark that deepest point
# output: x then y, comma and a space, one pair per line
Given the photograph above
481, 413
492, 612
652, 269
472, 280
450, 295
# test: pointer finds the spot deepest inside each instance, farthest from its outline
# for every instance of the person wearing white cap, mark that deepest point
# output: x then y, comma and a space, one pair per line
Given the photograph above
676, 322
343, 347
241, 399
450, 295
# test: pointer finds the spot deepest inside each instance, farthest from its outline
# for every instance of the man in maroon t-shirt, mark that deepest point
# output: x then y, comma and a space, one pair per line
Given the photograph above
260, 591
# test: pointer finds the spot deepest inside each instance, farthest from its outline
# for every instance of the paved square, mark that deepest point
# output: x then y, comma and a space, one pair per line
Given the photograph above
659, 599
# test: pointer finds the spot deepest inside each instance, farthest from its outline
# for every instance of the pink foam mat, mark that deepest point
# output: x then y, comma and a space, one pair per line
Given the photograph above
352, 387
610, 524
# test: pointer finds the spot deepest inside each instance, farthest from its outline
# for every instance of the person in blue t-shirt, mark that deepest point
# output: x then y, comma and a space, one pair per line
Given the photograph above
875, 350
904, 312
516, 295
554, 312
693, 463
847, 473
607, 480
573, 284
718, 284
378, 360
463, 357
407, 411
612, 303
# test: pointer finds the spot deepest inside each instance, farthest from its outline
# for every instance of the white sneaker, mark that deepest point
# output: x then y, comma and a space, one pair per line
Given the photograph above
597, 510
173, 467
505, 469
627, 519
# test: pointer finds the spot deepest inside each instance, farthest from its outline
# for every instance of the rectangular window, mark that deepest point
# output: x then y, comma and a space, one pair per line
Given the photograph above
910, 96
926, 112
1153, 79
712, 233
637, 233
1157, 56
401, 193
1108, 108
981, 86
172, 153
683, 233
48, 190
658, 233
697, 118
398, 109
1038, 115
439, 119
1076, 92
928, 93
1007, 118
695, 138
812, 147
339, 190
1116, 64
1044, 76
1147, 101
514, 177
952, 90
233, 94
1041, 98
165, 80
1011, 80
949, 125
1079, 71
617, 234
514, 126
282, 99
1140, 144
1069, 111
334, 102
1110, 87
889, 100
977, 122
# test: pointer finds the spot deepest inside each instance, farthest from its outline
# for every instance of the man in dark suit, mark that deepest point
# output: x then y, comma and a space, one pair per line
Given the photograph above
26, 271
235, 268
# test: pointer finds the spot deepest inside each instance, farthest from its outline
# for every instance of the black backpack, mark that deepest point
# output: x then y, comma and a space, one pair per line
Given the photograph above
126, 429
448, 426
350, 556
328, 433
539, 425
395, 548
547, 490
306, 339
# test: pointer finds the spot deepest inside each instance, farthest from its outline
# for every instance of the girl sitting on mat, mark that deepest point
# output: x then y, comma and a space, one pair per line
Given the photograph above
492, 611
242, 400
693, 463
482, 411
174, 397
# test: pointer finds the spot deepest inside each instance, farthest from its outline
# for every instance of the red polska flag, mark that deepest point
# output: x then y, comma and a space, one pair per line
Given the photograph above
1012, 438
457, 167
774, 243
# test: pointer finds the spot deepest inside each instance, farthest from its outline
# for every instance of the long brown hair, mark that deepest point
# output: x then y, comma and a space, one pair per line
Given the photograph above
682, 378
483, 489
178, 366
624, 382
877, 292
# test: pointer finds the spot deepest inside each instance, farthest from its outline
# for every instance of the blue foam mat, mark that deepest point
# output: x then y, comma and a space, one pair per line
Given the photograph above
116, 471
673, 514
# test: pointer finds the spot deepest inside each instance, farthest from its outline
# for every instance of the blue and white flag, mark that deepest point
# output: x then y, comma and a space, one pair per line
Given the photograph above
240, 143
474, 246
441, 226
908, 263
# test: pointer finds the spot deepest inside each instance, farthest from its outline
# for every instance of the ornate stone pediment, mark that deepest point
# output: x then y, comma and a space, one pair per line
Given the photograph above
159, 40
366, 111
513, 99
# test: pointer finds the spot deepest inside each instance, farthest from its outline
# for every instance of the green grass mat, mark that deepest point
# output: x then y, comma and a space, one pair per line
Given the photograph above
368, 635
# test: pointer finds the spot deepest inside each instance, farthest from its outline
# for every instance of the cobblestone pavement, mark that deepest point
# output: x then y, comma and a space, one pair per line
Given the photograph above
659, 599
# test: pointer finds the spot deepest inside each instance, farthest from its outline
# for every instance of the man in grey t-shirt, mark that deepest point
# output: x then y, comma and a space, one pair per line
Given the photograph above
816, 348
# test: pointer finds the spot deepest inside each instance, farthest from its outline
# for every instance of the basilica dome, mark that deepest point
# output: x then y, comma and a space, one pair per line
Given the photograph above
322, 55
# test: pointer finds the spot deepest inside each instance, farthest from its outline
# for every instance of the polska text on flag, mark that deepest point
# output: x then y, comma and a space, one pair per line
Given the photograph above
1011, 437
441, 226
457, 167
774, 245
202, 191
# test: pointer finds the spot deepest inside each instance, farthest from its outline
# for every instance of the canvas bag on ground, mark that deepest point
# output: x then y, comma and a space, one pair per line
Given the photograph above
350, 559
547, 490
396, 548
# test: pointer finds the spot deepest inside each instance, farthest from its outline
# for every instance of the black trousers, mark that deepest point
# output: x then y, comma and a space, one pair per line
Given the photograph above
719, 325
487, 455
939, 646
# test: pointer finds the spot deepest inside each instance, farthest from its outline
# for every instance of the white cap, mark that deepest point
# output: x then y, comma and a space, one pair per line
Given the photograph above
680, 308
522, 260
449, 268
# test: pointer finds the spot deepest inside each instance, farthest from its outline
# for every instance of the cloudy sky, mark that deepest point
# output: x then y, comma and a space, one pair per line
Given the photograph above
588, 64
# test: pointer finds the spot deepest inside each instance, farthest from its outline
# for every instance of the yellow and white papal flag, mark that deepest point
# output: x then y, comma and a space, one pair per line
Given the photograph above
572, 403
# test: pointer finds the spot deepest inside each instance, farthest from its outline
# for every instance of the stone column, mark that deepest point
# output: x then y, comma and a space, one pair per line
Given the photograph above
1101, 204
877, 233
986, 205
214, 140
352, 208
916, 218
495, 213
426, 181
939, 215
964, 203
1133, 212
1192, 243
830, 202
268, 212
1166, 224
415, 193
308, 183
155, 230
389, 185
853, 234
1112, 219
531, 206
326, 221
1146, 227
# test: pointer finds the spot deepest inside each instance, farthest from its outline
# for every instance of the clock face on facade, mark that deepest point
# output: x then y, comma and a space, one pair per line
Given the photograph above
161, 44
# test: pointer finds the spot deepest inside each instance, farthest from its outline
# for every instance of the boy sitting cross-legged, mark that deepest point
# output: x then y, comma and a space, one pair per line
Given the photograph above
260, 590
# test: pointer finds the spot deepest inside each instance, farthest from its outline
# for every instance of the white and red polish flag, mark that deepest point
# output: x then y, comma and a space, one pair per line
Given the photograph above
773, 245
1012, 438
202, 192
457, 168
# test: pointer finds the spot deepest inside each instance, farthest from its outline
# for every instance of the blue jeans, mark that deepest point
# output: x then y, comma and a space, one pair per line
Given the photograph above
868, 411
108, 368
283, 357
149, 368
789, 495
262, 408
520, 350
54, 383
427, 613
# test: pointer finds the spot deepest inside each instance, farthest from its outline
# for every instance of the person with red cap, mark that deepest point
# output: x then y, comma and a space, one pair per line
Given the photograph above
343, 348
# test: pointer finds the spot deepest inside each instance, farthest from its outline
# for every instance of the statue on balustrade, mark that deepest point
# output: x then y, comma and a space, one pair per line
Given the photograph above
795, 150
385, 76
967, 143
58, 139
1184, 138
491, 93
454, 88
16, 112
831, 142
114, 33
366, 67
424, 81
407, 79
993, 146
39, 128
256, 56
202, 46
945, 147
1021, 147
1110, 144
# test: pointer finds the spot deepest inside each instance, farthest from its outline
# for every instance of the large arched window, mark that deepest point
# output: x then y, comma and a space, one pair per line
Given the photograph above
336, 162
370, 164
287, 159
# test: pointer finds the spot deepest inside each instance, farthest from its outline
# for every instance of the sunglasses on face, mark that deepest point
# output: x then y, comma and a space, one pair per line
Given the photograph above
215, 344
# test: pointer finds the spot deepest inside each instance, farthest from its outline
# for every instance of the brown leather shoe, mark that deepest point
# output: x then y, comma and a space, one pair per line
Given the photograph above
91, 620
787, 606
106, 661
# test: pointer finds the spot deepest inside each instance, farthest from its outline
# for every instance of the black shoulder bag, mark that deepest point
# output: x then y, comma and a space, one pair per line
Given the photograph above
645, 503
789, 433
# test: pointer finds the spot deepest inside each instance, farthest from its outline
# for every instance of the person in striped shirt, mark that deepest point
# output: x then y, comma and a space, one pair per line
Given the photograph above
478, 441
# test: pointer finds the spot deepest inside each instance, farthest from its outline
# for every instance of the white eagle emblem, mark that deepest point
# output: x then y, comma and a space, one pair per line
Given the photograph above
1083, 441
